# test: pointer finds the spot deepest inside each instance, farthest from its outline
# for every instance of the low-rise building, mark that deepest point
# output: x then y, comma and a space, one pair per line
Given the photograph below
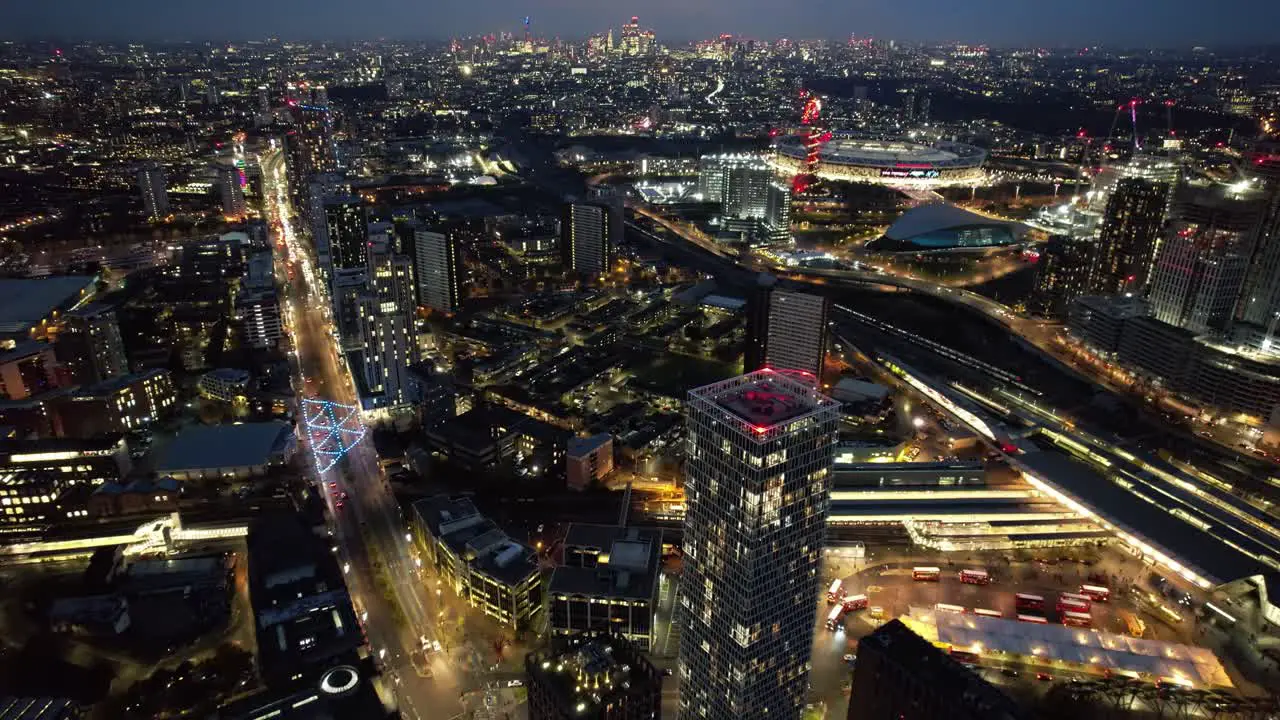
588, 460
229, 385
592, 676
607, 583
484, 566
228, 451
91, 615
72, 460
1099, 320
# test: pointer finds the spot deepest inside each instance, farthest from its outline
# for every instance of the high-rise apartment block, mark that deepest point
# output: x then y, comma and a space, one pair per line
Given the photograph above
438, 266
153, 187
89, 344
346, 234
230, 191
1129, 237
390, 345
590, 233
760, 448
1062, 275
785, 330
1201, 264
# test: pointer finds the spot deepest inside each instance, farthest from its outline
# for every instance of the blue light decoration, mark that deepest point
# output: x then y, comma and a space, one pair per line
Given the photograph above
332, 430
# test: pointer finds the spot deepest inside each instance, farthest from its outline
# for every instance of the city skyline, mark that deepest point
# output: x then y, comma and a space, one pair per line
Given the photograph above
1181, 23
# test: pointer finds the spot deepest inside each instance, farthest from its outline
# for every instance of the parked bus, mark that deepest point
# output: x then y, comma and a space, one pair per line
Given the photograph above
1073, 602
1032, 619
1096, 593
1077, 619
943, 607
926, 574
1025, 601
988, 613
835, 619
975, 577
836, 592
855, 602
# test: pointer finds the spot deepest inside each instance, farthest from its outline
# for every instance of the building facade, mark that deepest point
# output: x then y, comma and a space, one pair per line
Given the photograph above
608, 582
438, 266
588, 460
758, 482
89, 343
258, 312
153, 187
592, 676
785, 330
1062, 275
590, 236
390, 345
1129, 236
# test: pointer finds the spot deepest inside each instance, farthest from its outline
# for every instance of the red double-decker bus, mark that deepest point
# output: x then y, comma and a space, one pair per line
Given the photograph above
855, 602
1032, 619
926, 574
975, 577
988, 613
836, 592
1025, 601
1096, 593
1073, 603
1077, 619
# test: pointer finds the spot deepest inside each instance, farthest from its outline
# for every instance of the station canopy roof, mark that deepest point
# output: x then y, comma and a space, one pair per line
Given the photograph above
1121, 654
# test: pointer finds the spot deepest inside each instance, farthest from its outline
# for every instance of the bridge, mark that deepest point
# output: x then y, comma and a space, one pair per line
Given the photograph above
153, 536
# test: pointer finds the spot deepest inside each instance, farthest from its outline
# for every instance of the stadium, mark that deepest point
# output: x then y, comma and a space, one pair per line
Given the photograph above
888, 162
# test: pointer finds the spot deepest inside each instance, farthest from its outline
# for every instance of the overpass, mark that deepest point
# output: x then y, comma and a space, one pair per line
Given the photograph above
160, 535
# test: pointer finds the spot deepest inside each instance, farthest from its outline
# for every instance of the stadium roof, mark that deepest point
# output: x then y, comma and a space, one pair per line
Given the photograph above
941, 216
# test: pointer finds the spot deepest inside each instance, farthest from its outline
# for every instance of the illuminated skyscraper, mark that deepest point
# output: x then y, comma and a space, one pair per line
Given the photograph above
89, 344
390, 342
230, 192
438, 264
777, 214
152, 186
757, 486
346, 233
590, 233
785, 330
1129, 237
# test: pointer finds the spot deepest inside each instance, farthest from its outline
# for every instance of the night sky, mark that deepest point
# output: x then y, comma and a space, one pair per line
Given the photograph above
1162, 23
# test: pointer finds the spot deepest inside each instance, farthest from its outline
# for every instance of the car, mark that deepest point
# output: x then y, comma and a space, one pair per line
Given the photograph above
1008, 672
850, 658
1044, 676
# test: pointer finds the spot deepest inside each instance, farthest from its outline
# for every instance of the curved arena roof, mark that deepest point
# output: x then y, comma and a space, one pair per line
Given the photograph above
941, 226
894, 161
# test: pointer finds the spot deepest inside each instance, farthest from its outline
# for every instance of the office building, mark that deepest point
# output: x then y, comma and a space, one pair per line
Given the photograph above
588, 460
89, 344
230, 191
593, 676
785, 330
757, 488
258, 312
590, 233
346, 233
1062, 275
1129, 237
1259, 308
153, 187
902, 676
259, 273
475, 559
434, 393
738, 182
608, 582
438, 266
310, 147
390, 343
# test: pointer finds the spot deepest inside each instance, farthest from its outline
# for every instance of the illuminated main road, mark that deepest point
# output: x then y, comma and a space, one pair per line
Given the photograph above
398, 613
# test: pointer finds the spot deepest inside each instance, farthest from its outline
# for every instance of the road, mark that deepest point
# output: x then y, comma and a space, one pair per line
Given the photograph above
371, 537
